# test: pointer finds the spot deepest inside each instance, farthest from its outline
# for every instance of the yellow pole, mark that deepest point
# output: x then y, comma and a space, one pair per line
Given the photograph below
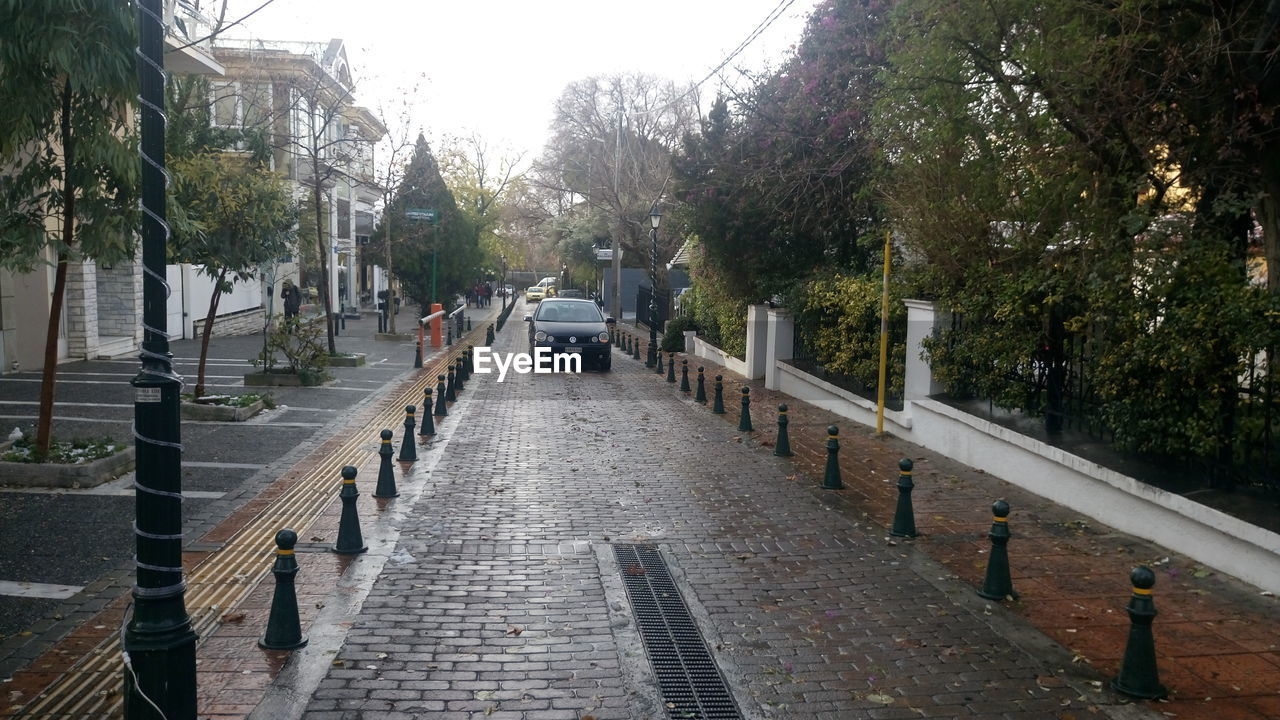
884, 338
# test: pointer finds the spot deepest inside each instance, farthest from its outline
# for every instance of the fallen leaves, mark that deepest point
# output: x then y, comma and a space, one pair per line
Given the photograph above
233, 618
515, 630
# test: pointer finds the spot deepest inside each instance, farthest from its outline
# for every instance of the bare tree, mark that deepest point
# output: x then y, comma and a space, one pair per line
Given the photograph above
610, 152
396, 147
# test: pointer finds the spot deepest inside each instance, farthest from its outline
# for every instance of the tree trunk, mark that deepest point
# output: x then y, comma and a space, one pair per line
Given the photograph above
208, 331
49, 374
391, 314
323, 285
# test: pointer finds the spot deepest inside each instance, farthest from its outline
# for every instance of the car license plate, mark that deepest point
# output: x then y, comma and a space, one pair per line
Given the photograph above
573, 349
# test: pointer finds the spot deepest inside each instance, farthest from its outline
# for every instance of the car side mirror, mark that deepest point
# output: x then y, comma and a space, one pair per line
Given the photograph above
610, 321
528, 318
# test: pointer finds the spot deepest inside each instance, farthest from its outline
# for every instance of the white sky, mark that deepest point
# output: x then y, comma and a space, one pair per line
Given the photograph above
495, 66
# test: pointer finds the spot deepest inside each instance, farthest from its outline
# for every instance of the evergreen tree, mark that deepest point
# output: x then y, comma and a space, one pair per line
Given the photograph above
432, 259
70, 167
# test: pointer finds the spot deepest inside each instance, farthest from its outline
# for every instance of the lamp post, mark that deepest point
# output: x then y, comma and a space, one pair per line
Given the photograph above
502, 287
159, 642
655, 218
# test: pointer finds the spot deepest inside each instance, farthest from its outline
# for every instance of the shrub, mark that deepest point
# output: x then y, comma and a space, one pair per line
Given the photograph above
302, 343
840, 318
673, 336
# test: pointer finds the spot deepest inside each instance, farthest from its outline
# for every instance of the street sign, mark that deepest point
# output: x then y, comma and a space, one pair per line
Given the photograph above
420, 214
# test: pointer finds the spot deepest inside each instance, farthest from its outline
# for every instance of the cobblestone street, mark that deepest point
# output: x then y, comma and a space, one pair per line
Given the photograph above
501, 599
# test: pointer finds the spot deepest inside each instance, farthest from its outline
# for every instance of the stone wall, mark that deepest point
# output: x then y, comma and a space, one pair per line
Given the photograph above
81, 301
245, 322
120, 301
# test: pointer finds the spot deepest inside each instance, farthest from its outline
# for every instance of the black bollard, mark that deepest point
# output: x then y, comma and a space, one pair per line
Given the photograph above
408, 448
635, 350
782, 448
684, 375
488, 335
458, 373
1138, 674
468, 324
717, 405
350, 541
428, 423
466, 363
904, 517
658, 370
284, 629
448, 333
417, 354
671, 368
450, 392
441, 409
386, 487
831, 478
998, 585
700, 395
744, 420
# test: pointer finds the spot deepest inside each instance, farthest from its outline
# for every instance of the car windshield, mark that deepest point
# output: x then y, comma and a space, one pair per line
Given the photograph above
569, 312
535, 288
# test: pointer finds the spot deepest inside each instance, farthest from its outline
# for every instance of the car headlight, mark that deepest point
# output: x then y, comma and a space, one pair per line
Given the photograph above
539, 336
603, 337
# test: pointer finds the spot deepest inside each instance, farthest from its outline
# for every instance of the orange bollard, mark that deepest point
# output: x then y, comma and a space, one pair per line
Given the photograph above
437, 336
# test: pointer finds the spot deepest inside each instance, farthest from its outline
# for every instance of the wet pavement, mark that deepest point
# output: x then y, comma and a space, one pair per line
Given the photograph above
490, 590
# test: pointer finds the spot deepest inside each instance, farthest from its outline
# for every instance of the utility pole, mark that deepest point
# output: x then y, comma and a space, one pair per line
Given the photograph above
159, 643
616, 257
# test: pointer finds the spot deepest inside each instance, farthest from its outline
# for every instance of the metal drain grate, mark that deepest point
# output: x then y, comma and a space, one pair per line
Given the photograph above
691, 684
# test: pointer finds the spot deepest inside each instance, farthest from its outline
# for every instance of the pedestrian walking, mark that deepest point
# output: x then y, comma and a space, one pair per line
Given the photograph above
292, 299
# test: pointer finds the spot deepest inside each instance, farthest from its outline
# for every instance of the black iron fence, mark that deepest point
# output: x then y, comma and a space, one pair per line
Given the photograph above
865, 385
1055, 383
643, 296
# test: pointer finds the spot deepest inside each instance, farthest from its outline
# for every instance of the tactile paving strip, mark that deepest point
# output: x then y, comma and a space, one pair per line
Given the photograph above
691, 684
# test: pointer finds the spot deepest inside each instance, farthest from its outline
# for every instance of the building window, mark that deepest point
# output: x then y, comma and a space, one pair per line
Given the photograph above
226, 105
344, 218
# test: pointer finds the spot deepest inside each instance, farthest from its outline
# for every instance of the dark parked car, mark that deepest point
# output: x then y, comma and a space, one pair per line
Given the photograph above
571, 326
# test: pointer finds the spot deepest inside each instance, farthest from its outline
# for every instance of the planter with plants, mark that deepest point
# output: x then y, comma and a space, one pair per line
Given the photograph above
346, 360
293, 354
224, 408
78, 463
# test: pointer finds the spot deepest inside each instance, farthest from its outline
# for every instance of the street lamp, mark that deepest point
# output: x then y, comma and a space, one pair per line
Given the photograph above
655, 218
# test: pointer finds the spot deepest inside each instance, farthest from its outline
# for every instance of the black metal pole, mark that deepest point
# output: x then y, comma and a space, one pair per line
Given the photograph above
159, 644
652, 358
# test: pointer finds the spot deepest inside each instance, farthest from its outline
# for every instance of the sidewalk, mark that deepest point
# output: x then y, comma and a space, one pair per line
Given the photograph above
501, 599
228, 553
1217, 639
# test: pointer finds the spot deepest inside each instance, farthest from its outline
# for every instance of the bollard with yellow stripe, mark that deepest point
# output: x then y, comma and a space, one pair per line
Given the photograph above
350, 540
782, 447
998, 585
284, 629
904, 515
1139, 676
831, 478
428, 427
386, 487
408, 448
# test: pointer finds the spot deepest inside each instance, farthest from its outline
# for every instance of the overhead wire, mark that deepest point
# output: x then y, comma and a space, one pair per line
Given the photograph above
224, 28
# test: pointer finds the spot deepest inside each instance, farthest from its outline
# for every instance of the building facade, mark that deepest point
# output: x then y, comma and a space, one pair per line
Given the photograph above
102, 304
